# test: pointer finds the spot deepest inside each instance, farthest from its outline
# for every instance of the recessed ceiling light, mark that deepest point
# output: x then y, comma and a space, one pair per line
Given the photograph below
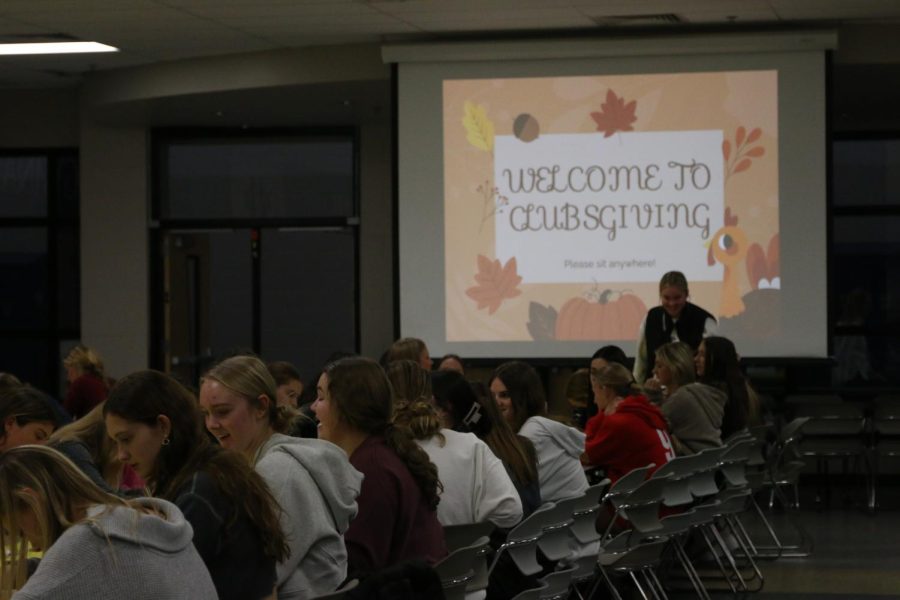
55, 48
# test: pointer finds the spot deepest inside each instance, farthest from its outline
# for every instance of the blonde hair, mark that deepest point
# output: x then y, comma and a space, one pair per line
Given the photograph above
85, 360
53, 488
679, 357
249, 377
90, 430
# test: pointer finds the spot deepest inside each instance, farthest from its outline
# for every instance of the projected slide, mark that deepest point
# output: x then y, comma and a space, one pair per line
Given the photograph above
566, 199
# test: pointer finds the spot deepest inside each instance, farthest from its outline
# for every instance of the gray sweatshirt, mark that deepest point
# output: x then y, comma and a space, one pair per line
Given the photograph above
694, 413
119, 552
316, 487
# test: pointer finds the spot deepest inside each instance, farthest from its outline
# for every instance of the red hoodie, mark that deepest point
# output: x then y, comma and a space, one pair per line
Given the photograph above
633, 436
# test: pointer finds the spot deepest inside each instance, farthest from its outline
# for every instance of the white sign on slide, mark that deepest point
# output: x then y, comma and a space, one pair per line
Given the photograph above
587, 208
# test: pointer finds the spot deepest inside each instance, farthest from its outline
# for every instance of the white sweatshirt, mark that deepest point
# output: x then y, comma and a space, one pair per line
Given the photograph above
559, 448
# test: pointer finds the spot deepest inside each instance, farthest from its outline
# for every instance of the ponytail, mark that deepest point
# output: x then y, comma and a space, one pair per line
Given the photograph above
425, 473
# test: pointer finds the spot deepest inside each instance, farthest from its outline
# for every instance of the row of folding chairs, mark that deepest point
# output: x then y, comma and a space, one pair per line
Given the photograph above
700, 497
842, 431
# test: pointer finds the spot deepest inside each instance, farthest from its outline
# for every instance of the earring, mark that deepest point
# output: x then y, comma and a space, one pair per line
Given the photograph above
166, 441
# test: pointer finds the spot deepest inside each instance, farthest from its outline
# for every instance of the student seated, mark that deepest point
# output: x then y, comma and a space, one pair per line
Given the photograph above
95, 544
397, 519
157, 428
693, 410
312, 480
476, 487
628, 431
519, 393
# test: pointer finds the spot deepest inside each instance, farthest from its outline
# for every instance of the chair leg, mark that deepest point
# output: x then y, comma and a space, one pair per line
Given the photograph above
637, 584
609, 584
690, 570
718, 560
729, 520
727, 551
654, 583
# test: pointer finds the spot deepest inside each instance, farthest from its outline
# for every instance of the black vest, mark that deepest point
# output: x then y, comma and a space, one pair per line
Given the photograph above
658, 330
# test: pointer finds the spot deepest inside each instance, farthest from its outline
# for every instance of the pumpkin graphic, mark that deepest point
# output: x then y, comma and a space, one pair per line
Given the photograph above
605, 319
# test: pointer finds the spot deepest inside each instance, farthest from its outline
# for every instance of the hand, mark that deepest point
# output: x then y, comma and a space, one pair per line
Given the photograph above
653, 384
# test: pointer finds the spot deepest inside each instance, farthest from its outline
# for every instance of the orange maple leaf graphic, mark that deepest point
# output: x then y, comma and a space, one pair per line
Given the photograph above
615, 115
496, 283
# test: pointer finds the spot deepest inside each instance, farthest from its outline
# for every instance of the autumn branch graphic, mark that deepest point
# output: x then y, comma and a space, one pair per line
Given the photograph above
744, 151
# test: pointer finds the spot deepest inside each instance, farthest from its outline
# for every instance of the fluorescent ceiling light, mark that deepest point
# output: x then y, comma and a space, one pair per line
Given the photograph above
55, 48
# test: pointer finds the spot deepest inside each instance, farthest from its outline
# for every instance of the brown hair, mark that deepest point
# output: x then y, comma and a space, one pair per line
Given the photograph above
411, 386
27, 404
408, 348
674, 279
409, 381
361, 392
145, 395
283, 372
516, 452
526, 391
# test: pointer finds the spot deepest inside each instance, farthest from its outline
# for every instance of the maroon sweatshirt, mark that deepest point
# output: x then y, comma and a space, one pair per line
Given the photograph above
83, 394
394, 522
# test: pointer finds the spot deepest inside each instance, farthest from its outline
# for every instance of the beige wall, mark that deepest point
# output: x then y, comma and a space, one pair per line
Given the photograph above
114, 253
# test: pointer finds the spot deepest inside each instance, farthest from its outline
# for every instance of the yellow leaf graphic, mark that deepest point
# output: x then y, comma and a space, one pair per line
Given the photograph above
479, 129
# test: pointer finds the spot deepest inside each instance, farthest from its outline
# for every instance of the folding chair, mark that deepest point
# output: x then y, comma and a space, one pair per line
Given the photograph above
886, 436
457, 569
521, 542
836, 431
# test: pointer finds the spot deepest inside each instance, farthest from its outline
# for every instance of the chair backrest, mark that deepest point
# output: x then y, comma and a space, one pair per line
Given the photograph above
734, 461
557, 584
584, 511
886, 416
703, 483
681, 468
628, 482
521, 541
797, 400
832, 419
531, 594
556, 540
791, 431
458, 568
457, 536
641, 506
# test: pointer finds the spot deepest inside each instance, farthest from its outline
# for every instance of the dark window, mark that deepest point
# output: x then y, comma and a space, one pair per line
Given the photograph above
306, 177
865, 271
257, 247
39, 263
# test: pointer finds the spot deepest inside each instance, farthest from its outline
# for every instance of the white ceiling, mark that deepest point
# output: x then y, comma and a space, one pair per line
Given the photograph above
149, 31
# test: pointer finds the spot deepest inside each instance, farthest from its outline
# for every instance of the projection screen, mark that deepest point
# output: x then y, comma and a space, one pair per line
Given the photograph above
544, 188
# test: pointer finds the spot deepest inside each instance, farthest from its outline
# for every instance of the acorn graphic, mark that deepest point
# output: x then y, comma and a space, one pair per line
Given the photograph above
526, 127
